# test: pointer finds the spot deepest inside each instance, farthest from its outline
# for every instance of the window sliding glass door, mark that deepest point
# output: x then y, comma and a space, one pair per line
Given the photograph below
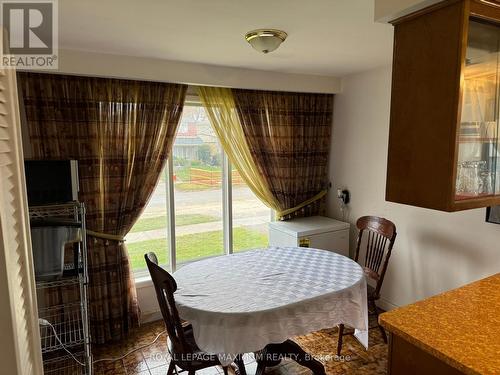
197, 177
201, 206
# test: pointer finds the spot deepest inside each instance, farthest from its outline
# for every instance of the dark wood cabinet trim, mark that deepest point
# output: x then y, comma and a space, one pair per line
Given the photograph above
487, 10
422, 11
456, 126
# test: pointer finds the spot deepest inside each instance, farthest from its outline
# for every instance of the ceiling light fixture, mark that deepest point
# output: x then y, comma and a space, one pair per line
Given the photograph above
265, 40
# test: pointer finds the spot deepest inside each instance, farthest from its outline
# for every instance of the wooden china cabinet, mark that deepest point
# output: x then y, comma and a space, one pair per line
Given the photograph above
444, 139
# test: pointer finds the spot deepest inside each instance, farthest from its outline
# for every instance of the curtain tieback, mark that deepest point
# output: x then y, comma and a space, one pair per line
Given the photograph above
105, 236
288, 211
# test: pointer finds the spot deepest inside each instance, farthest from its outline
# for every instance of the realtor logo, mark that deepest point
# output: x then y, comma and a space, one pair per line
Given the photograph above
31, 40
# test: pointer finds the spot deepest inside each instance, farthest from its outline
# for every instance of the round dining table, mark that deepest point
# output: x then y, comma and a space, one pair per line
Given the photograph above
245, 302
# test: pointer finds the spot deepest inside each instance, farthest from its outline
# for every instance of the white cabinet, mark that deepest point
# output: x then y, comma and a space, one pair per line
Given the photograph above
317, 231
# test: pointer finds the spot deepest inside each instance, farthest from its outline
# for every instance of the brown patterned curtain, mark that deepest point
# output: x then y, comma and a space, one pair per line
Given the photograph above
121, 132
289, 137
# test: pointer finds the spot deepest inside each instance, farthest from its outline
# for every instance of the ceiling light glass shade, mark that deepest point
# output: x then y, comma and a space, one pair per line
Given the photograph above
265, 40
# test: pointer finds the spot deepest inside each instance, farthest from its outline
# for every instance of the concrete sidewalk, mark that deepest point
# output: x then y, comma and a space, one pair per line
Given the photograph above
259, 221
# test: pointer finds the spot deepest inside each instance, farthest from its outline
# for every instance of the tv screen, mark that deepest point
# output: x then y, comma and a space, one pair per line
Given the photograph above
51, 182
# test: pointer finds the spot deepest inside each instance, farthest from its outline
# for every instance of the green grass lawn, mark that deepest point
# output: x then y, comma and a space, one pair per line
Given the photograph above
197, 245
159, 222
186, 186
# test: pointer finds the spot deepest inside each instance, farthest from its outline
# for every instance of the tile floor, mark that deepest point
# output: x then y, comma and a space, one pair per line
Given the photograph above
322, 344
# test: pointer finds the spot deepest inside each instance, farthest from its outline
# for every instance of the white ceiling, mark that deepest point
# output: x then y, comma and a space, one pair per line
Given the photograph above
326, 37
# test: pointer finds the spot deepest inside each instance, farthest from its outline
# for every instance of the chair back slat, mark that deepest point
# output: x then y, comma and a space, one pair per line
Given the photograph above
375, 250
165, 287
381, 235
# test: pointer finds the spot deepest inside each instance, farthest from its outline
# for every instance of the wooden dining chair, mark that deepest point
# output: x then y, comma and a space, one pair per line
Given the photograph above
379, 243
182, 346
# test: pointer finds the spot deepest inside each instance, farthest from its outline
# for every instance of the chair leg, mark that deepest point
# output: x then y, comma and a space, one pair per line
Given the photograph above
382, 330
240, 364
341, 335
292, 350
171, 368
261, 367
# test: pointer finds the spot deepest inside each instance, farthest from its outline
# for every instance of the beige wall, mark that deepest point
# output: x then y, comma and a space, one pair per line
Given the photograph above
388, 10
434, 251
150, 69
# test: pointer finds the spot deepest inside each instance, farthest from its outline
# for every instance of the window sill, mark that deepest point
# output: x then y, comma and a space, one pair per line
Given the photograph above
143, 280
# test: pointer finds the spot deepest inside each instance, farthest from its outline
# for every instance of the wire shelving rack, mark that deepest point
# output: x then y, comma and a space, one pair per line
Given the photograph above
63, 302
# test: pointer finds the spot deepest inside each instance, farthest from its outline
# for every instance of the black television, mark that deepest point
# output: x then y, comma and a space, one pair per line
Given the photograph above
51, 181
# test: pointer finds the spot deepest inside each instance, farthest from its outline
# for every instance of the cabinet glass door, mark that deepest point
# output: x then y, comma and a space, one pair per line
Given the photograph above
478, 172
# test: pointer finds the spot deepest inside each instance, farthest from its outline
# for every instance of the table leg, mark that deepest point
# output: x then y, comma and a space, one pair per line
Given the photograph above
290, 349
261, 368
241, 365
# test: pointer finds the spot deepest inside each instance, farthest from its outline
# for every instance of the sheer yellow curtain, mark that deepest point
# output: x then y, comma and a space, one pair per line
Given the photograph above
221, 110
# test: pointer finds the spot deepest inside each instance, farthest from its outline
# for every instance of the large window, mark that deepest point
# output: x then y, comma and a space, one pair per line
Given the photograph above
201, 206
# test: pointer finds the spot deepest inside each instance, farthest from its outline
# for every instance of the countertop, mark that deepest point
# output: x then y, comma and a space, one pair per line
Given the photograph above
461, 326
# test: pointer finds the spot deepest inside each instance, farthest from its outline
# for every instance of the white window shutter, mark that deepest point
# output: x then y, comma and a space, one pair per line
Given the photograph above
20, 338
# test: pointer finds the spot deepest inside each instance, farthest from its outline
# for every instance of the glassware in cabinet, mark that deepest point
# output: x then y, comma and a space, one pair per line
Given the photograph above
478, 171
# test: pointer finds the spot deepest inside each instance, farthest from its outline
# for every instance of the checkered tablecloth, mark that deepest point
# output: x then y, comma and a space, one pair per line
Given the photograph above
242, 302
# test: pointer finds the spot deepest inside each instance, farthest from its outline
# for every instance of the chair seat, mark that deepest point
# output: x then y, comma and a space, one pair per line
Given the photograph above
196, 357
